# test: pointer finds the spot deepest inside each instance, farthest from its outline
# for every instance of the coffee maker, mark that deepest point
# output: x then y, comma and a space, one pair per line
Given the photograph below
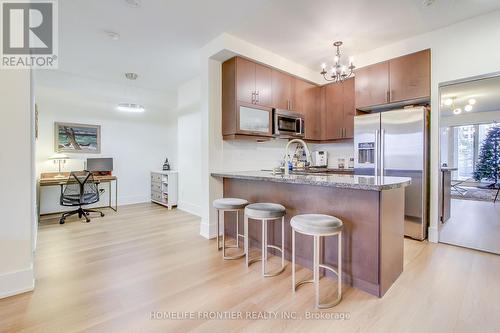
320, 159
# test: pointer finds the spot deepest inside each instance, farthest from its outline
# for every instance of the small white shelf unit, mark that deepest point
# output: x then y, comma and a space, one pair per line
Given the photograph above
164, 188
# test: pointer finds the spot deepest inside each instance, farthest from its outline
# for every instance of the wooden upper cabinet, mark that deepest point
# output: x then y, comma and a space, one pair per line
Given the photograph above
300, 94
281, 90
253, 83
410, 76
406, 78
372, 85
263, 85
245, 80
349, 108
339, 111
246, 95
306, 98
334, 110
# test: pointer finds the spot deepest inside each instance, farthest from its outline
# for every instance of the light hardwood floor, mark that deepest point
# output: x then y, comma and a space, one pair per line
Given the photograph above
109, 275
473, 224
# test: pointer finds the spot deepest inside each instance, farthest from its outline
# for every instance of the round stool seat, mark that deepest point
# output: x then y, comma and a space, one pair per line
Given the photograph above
316, 224
230, 203
265, 210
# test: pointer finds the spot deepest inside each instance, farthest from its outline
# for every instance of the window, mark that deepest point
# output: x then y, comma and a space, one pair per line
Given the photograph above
467, 142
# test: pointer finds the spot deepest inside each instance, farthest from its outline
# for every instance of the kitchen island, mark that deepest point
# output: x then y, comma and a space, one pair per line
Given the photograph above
371, 208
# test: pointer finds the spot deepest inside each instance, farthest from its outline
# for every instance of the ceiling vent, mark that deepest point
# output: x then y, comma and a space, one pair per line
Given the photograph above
133, 3
131, 76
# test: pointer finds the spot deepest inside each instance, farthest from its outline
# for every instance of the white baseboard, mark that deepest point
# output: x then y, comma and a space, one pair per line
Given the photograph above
205, 230
189, 207
433, 233
132, 200
17, 282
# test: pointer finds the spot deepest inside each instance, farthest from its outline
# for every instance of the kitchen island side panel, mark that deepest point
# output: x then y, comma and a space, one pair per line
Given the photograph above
358, 209
392, 229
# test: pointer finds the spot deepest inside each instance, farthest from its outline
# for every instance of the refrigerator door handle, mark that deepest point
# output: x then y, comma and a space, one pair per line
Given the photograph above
382, 152
376, 152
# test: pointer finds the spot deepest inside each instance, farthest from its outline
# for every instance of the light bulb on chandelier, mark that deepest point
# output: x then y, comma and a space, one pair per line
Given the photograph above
339, 72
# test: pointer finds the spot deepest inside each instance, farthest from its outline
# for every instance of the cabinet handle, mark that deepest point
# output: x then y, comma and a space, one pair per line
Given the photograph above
387, 97
257, 96
253, 97
287, 104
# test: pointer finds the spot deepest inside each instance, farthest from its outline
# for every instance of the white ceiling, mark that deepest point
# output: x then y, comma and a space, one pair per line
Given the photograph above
486, 92
304, 31
160, 39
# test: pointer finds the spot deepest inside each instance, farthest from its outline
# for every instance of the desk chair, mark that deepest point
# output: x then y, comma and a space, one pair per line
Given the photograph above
80, 190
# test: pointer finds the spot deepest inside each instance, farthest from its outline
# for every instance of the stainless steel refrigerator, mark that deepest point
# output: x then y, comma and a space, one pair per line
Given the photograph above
395, 143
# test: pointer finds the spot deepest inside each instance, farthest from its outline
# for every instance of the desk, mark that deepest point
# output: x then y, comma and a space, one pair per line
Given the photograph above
49, 179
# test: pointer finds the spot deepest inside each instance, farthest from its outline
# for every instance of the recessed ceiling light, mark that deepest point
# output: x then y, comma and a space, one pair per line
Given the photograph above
457, 111
468, 108
130, 107
133, 3
448, 101
131, 76
113, 35
472, 101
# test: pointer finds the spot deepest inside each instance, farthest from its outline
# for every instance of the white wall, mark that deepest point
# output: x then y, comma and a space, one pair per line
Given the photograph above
16, 165
189, 146
337, 150
462, 50
138, 143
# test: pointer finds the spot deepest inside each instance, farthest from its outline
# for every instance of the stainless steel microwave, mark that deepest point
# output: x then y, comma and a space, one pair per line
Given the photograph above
288, 124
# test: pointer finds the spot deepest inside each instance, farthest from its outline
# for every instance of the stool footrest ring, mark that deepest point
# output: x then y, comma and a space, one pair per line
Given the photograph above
253, 260
275, 247
234, 257
329, 268
277, 272
300, 283
330, 305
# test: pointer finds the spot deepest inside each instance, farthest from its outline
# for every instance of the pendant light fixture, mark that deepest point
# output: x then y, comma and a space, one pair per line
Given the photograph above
338, 72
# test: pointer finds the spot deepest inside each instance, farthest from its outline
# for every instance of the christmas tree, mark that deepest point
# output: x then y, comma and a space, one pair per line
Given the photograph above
488, 165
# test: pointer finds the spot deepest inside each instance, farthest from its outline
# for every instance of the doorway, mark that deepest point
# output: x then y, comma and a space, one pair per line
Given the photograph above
470, 163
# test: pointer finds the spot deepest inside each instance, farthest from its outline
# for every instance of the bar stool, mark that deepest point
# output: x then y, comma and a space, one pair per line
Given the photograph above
229, 205
318, 226
265, 212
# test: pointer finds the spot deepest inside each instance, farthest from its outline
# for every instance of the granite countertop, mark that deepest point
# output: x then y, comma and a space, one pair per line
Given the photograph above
348, 181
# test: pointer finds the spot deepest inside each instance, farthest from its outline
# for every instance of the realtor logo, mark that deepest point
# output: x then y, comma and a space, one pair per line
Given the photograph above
29, 34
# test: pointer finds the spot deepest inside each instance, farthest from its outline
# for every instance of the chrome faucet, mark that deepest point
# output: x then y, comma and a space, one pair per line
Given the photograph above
306, 149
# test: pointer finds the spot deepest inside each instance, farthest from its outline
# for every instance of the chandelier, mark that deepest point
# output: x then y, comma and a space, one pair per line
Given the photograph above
338, 72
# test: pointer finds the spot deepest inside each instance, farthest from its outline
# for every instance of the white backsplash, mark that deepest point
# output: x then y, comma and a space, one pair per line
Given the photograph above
335, 151
250, 155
